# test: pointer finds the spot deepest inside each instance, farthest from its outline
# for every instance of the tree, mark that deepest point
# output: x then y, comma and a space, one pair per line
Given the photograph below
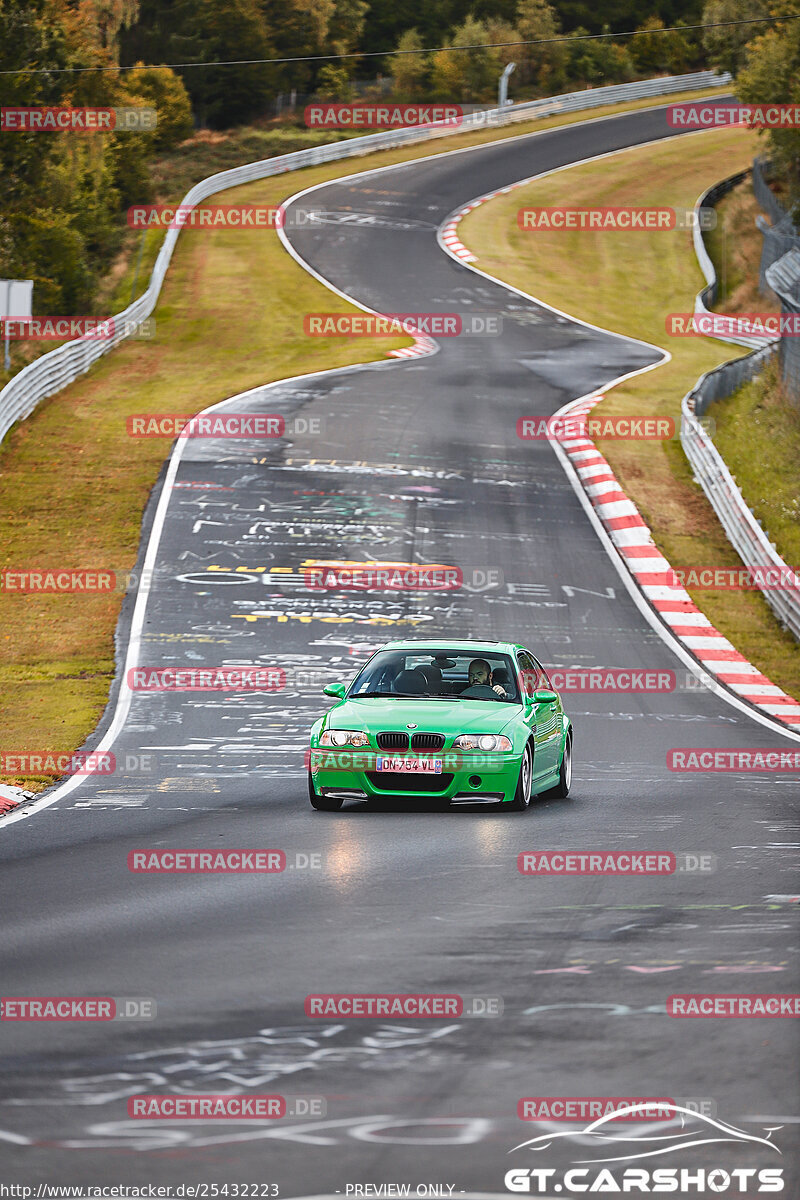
222, 95
410, 70
725, 46
544, 66
597, 63
466, 75
772, 76
162, 89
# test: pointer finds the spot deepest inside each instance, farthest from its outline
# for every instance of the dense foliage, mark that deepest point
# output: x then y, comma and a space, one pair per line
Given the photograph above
64, 194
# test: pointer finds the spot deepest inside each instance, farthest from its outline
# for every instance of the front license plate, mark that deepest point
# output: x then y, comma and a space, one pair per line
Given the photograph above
411, 766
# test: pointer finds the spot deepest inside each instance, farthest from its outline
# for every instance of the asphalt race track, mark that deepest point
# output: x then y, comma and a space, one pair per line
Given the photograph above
418, 462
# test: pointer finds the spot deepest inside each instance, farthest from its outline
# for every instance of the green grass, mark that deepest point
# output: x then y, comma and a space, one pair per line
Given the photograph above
734, 247
758, 435
629, 282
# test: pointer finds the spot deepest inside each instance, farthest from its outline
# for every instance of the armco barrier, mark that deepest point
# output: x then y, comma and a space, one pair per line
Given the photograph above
743, 530
784, 279
53, 371
709, 293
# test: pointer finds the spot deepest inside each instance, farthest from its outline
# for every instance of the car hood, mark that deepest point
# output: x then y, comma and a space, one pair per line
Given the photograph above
433, 716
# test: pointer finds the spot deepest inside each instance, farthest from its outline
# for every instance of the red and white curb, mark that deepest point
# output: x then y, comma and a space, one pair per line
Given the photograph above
450, 238
10, 797
634, 542
423, 346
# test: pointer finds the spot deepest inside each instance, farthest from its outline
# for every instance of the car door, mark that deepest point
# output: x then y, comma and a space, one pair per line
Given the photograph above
544, 717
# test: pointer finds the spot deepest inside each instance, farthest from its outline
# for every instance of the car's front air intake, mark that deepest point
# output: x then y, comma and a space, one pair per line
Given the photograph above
393, 740
427, 741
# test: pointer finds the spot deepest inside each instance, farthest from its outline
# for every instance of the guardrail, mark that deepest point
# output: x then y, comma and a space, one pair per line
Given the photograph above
709, 293
743, 530
741, 527
784, 279
53, 371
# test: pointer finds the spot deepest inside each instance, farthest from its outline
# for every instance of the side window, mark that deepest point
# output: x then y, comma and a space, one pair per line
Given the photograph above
528, 671
544, 678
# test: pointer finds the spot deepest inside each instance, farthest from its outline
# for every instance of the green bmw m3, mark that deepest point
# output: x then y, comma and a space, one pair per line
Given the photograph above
463, 722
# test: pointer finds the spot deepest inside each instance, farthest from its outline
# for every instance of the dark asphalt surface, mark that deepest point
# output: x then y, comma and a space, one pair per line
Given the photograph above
419, 462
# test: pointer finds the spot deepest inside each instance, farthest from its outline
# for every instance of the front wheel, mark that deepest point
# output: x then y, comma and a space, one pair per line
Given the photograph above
322, 803
522, 796
561, 790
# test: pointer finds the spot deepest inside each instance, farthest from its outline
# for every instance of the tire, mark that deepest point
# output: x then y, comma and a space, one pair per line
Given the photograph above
561, 790
322, 803
522, 796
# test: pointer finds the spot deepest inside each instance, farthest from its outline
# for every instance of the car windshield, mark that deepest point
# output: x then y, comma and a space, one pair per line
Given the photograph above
438, 675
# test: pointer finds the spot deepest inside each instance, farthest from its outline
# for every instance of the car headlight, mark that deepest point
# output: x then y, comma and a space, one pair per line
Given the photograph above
343, 737
482, 741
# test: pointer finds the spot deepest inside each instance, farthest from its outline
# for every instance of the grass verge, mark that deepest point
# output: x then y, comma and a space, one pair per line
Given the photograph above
73, 486
629, 282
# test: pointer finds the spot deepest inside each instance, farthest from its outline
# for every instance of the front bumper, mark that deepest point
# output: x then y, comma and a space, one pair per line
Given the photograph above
465, 778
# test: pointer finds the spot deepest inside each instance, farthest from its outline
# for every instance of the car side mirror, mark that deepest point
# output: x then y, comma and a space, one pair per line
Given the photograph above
335, 689
544, 696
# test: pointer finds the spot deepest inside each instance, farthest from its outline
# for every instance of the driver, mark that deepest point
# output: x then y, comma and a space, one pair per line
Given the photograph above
480, 680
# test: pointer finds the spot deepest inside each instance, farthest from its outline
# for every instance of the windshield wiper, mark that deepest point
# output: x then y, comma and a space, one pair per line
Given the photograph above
369, 695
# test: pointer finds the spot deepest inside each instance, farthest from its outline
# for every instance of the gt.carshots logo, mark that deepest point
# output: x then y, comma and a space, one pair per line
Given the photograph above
614, 1142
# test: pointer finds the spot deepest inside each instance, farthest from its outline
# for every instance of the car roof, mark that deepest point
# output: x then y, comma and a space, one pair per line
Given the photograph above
451, 644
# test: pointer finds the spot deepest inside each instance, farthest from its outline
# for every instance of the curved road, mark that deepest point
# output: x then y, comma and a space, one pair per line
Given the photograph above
419, 461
